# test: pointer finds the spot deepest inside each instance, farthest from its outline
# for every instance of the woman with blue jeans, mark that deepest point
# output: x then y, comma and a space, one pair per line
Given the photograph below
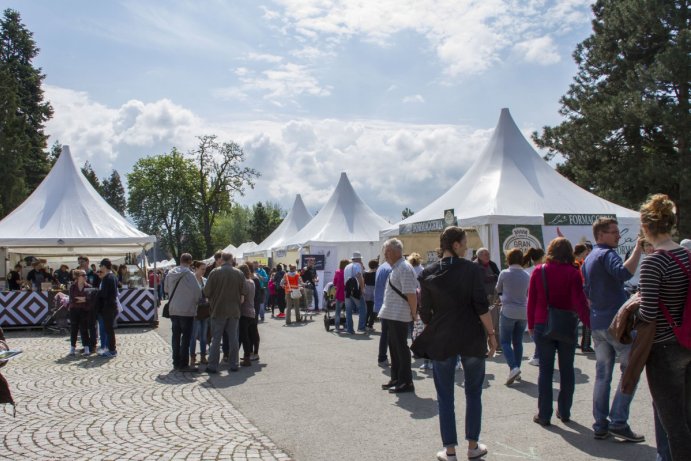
455, 310
556, 283
512, 287
200, 327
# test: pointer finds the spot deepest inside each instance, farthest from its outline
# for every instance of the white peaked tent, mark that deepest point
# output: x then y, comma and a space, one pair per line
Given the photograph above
65, 216
510, 185
243, 249
229, 249
344, 224
295, 220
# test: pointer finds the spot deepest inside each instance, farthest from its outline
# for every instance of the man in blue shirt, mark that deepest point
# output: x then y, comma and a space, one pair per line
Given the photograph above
380, 280
605, 274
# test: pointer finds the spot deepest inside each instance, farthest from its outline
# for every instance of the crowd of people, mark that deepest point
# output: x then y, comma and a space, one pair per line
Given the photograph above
458, 312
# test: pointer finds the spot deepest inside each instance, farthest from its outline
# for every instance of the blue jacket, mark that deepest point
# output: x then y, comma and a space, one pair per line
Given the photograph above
604, 274
380, 280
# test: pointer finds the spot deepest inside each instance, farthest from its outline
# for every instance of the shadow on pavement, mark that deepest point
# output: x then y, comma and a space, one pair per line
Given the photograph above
226, 378
418, 407
610, 448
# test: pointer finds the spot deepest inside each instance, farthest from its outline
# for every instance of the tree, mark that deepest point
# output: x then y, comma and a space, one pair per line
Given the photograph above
11, 146
90, 174
54, 153
163, 200
265, 218
17, 51
627, 125
114, 193
407, 212
220, 176
232, 227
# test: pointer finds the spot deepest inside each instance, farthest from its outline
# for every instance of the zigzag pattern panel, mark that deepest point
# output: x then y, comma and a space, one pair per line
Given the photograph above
22, 308
139, 306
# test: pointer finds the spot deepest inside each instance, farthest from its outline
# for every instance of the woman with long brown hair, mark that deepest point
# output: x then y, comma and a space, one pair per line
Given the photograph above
557, 284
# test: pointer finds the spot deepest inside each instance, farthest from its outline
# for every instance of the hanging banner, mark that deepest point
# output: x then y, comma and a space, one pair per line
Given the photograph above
521, 236
563, 219
319, 261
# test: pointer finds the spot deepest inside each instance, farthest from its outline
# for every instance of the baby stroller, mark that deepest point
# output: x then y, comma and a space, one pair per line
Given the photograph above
330, 307
57, 319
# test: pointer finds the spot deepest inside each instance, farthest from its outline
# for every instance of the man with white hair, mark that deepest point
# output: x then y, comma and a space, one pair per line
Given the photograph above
399, 309
491, 275
355, 287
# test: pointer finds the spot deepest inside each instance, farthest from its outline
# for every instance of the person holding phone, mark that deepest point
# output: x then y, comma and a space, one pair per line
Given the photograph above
79, 313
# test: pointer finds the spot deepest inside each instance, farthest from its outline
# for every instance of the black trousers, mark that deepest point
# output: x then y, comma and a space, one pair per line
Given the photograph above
249, 336
92, 325
371, 316
79, 323
281, 298
109, 314
182, 335
400, 352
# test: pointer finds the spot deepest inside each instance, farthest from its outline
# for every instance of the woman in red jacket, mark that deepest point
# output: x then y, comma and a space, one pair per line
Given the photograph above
565, 288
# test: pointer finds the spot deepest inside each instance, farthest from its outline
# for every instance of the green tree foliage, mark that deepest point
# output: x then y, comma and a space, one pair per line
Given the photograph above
163, 201
232, 227
114, 193
627, 127
90, 175
407, 212
11, 146
265, 218
21, 88
220, 176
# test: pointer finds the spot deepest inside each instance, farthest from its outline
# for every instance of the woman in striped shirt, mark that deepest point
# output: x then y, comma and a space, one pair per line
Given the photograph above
668, 368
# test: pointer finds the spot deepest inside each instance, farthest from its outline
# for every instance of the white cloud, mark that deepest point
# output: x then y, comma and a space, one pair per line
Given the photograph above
278, 85
392, 165
414, 98
468, 37
264, 57
541, 50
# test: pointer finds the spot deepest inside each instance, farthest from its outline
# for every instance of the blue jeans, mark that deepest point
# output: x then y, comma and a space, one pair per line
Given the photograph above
199, 332
102, 332
444, 373
511, 335
606, 351
567, 378
352, 304
337, 317
661, 441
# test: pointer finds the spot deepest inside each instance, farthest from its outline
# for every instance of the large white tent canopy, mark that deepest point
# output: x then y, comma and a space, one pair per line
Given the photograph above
511, 184
345, 222
65, 215
295, 220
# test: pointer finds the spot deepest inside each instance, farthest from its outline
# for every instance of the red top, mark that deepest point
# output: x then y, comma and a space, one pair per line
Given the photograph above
339, 283
565, 292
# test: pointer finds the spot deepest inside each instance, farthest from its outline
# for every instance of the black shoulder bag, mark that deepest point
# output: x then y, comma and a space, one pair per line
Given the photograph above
561, 324
166, 308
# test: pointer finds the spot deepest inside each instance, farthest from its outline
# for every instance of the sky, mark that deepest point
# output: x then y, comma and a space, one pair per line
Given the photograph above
402, 95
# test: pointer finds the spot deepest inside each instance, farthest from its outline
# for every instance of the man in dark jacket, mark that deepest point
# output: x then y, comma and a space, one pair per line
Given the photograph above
108, 306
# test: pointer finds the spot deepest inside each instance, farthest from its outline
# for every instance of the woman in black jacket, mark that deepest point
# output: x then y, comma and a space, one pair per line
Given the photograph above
454, 309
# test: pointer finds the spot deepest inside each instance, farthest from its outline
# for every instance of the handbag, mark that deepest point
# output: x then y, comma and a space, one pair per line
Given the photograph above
561, 324
203, 310
166, 308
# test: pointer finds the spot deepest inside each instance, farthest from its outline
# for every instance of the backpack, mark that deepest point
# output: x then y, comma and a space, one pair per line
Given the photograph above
352, 288
683, 331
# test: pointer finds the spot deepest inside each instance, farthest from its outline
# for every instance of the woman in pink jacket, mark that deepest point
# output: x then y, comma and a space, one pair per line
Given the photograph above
339, 283
565, 290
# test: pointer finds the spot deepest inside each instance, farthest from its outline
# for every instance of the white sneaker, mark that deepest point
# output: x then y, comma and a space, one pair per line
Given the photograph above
534, 362
513, 374
73, 351
86, 351
442, 456
423, 366
254, 357
477, 452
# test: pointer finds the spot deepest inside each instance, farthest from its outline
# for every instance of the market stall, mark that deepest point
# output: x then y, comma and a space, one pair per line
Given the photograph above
63, 218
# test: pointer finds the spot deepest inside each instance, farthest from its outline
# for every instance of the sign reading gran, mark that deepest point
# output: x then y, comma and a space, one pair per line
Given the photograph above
574, 219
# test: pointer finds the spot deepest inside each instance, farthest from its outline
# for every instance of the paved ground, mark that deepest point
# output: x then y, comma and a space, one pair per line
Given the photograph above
130, 407
316, 395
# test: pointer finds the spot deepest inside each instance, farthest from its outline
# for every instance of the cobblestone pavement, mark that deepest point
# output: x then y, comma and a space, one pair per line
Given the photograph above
132, 407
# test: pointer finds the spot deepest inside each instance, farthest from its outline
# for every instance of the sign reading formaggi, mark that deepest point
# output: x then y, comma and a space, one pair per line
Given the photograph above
523, 237
573, 219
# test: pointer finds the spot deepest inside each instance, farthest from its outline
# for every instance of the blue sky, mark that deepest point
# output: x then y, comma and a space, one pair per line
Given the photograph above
400, 94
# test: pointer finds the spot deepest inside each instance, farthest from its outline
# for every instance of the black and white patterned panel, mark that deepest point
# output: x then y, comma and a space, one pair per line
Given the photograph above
22, 308
138, 304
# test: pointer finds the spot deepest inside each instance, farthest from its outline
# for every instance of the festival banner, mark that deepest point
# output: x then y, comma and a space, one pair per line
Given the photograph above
522, 236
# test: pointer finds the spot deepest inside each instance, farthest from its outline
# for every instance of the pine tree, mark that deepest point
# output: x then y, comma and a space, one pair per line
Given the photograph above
11, 146
627, 126
90, 174
17, 51
114, 193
